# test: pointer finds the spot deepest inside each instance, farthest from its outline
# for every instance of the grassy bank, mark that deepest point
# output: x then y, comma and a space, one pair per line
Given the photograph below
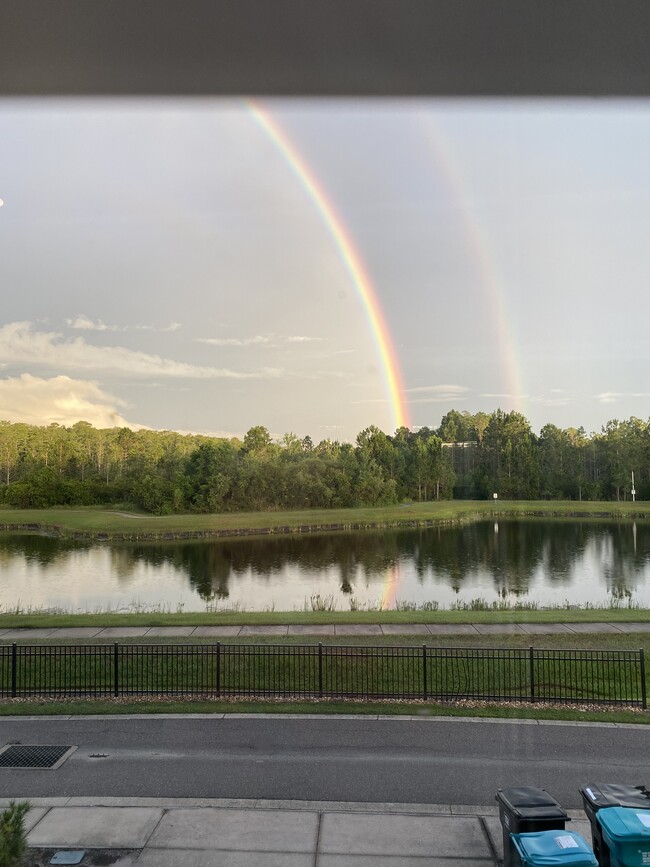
77, 707
552, 641
104, 524
322, 618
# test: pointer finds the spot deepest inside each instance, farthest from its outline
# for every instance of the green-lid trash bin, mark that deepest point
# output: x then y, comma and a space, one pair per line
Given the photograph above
597, 796
526, 809
626, 834
552, 849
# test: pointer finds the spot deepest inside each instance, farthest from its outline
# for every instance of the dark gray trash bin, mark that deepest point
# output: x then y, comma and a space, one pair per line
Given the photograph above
601, 795
523, 810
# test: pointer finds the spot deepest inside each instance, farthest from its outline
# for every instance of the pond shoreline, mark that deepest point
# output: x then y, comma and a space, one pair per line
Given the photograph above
463, 517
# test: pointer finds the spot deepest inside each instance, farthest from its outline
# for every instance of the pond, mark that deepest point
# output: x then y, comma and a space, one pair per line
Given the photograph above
548, 562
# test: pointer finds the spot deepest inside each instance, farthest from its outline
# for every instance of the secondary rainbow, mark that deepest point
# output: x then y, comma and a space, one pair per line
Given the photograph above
449, 169
350, 257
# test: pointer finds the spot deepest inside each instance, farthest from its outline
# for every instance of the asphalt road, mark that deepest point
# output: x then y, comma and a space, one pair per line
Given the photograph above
359, 759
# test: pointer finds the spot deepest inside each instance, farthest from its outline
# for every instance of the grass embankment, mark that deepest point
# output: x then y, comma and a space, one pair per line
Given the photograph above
322, 618
79, 707
108, 524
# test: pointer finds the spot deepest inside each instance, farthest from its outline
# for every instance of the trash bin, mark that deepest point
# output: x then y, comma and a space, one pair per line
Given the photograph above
525, 809
626, 834
595, 797
550, 848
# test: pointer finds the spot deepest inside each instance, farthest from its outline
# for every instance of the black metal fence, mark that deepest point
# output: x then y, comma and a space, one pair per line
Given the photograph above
614, 677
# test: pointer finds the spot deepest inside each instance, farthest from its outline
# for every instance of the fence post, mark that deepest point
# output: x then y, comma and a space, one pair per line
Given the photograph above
531, 666
14, 667
218, 684
424, 672
320, 669
644, 698
116, 681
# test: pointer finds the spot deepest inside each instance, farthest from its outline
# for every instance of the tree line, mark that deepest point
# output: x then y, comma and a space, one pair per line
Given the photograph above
467, 456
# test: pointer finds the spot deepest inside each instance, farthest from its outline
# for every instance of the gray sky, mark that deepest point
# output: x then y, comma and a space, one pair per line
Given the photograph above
162, 265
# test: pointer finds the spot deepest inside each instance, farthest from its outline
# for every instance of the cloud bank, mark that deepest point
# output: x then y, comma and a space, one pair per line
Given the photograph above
83, 323
20, 344
61, 399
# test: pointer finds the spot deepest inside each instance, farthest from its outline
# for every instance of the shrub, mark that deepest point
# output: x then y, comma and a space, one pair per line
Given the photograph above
13, 840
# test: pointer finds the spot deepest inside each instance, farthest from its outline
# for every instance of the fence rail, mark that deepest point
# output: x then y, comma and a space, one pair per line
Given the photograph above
613, 677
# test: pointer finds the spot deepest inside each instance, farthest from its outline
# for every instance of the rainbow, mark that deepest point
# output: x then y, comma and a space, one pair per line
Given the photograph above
349, 256
447, 167
392, 580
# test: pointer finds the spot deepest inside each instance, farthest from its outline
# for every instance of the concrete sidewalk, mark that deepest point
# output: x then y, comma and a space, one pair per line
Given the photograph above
282, 631
255, 833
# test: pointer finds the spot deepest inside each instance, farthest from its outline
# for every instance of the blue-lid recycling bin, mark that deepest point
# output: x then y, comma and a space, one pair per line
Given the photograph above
597, 796
626, 833
525, 809
551, 848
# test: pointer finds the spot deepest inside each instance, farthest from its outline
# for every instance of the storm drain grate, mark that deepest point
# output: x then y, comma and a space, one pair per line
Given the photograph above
26, 756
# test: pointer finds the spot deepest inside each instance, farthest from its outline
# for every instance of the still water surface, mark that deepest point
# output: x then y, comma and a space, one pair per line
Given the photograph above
549, 562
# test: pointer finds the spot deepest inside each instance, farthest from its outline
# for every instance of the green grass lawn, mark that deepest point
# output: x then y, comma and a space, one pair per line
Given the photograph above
78, 707
93, 522
35, 620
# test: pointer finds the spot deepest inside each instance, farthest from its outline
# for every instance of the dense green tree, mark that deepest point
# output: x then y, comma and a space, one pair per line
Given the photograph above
508, 458
456, 427
11, 436
209, 475
164, 471
257, 440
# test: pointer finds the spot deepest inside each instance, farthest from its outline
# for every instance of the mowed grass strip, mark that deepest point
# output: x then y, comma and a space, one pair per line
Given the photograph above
37, 620
100, 522
420, 709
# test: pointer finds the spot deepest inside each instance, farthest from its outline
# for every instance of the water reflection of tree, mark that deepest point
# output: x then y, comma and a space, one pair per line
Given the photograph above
509, 552
44, 550
623, 553
211, 566
124, 563
510, 558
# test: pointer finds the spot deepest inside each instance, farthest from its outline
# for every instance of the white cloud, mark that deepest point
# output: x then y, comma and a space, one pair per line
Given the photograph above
613, 396
436, 393
442, 398
83, 323
271, 340
438, 389
233, 341
173, 326
61, 399
19, 344
506, 396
